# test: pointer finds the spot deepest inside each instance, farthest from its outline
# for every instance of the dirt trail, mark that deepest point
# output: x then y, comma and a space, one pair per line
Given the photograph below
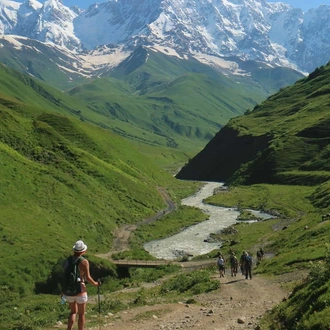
238, 304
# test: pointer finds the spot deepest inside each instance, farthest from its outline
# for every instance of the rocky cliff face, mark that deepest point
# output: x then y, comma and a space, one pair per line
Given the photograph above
224, 155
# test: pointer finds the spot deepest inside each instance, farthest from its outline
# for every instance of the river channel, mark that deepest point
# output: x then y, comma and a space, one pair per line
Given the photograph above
192, 241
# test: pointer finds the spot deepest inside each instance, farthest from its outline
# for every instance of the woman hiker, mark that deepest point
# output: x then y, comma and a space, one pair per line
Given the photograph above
77, 299
221, 265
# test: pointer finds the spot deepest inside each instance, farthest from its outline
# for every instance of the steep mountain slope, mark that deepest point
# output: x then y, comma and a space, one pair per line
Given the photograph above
283, 140
56, 65
63, 178
47, 62
49, 21
22, 88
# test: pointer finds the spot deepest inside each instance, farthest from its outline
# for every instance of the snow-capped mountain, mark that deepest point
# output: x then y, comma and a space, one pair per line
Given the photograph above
8, 15
274, 33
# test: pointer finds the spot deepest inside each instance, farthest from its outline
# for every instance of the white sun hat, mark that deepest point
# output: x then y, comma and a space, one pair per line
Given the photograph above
79, 246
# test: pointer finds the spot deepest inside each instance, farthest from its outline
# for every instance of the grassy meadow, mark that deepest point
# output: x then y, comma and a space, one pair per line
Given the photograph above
286, 236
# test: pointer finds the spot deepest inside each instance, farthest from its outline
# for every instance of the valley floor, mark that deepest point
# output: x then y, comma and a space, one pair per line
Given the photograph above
238, 304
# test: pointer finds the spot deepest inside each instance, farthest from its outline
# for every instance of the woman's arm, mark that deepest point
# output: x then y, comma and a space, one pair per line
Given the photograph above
85, 270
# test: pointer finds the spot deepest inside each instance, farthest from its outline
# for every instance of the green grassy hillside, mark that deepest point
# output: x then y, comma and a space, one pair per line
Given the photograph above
285, 139
183, 101
42, 61
269, 79
150, 98
62, 179
20, 88
65, 175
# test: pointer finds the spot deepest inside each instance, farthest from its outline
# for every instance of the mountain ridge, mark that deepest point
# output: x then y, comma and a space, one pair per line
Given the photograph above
175, 97
273, 33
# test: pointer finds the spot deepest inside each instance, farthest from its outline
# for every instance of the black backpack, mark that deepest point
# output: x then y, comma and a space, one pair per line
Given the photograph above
71, 281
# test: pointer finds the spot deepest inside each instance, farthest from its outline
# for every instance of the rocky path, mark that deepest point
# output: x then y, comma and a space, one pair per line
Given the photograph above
238, 304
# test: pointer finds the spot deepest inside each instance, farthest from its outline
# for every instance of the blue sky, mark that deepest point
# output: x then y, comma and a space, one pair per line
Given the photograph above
304, 4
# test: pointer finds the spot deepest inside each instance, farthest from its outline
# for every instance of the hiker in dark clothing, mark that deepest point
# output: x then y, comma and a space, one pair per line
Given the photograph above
259, 257
248, 266
233, 264
242, 263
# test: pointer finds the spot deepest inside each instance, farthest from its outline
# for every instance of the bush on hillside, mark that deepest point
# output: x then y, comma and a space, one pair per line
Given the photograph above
308, 306
195, 282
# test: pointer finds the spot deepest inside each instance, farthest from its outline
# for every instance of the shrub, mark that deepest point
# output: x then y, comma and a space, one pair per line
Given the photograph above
319, 273
194, 282
309, 304
141, 298
110, 305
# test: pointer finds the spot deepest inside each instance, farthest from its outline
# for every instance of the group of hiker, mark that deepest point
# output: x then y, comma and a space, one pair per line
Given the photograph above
244, 263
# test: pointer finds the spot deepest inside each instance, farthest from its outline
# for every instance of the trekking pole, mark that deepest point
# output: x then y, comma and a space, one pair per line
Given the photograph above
99, 301
98, 296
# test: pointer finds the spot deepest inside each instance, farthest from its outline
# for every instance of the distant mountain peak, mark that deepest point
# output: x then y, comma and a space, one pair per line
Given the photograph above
274, 33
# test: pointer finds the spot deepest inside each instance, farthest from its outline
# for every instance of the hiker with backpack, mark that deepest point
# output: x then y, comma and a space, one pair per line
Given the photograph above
76, 273
248, 265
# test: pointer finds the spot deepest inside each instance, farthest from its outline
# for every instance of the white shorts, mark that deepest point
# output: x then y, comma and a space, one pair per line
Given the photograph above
78, 299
